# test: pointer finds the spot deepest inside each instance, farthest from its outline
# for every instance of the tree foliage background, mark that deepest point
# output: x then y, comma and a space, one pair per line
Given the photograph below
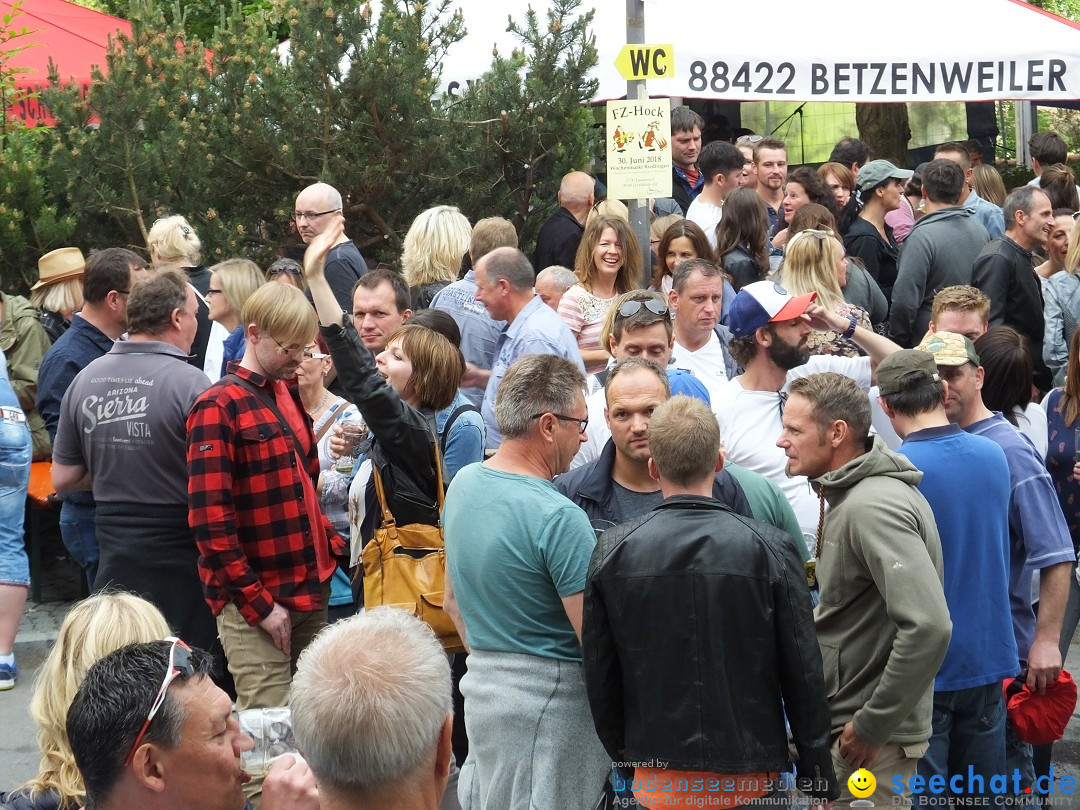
227, 130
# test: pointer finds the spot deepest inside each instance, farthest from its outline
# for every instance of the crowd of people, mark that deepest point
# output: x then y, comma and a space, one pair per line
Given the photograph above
786, 497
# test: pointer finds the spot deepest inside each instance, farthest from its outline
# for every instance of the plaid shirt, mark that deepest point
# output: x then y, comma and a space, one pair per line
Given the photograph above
246, 503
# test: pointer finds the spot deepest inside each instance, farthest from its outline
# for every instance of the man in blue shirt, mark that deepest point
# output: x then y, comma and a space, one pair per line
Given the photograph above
504, 285
479, 331
107, 282
971, 510
1038, 537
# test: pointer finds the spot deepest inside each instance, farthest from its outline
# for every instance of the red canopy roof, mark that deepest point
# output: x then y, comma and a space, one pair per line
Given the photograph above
74, 37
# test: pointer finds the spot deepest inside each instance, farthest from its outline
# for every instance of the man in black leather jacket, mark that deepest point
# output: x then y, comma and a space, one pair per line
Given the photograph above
616, 487
697, 625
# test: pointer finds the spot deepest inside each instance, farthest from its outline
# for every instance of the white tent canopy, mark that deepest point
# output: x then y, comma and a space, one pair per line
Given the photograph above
921, 51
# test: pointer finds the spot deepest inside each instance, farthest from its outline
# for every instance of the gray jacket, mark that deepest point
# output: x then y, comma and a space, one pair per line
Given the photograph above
1061, 308
939, 252
882, 625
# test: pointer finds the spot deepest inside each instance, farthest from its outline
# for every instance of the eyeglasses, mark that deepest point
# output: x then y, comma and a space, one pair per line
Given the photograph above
282, 349
277, 271
311, 215
313, 355
123, 292
212, 291
630, 308
180, 666
742, 139
583, 423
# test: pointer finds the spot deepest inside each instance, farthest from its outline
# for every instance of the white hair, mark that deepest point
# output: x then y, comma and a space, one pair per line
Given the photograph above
562, 277
369, 700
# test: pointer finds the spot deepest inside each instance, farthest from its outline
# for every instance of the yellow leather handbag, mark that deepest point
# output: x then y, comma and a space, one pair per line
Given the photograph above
404, 566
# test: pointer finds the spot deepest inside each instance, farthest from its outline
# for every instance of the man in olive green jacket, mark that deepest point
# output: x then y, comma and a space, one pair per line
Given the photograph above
24, 343
883, 625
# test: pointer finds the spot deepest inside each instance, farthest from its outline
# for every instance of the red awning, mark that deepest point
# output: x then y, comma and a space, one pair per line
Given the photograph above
74, 37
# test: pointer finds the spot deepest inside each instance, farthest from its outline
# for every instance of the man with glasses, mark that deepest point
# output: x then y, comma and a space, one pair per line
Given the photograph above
517, 553
107, 282
266, 549
121, 434
149, 729
344, 264
504, 285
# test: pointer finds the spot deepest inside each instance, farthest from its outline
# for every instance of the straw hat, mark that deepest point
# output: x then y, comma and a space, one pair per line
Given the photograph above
60, 265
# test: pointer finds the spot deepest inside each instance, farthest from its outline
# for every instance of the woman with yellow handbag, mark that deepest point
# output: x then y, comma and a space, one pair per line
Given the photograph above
397, 394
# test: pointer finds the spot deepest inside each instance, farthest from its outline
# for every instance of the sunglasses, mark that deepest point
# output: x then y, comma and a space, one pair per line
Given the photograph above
179, 667
630, 308
292, 271
745, 139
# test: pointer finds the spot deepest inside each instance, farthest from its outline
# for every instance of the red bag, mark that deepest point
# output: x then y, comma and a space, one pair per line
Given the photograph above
1040, 719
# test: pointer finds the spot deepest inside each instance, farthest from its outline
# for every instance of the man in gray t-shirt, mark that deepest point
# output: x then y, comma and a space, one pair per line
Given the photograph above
123, 434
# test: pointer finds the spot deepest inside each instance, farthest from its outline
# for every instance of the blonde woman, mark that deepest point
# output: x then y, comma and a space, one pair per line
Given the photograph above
814, 261
1061, 309
435, 244
91, 629
232, 282
58, 292
607, 264
173, 245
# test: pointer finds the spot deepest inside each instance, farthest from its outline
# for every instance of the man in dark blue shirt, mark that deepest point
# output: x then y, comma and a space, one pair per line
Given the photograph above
102, 320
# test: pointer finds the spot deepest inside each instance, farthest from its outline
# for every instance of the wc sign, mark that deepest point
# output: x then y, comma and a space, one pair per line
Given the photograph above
636, 62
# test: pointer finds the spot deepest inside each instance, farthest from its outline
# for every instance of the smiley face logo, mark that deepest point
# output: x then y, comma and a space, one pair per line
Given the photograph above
861, 783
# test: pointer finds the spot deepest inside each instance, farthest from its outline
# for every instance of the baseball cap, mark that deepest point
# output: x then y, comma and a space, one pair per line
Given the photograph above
906, 370
950, 349
1040, 719
876, 172
764, 302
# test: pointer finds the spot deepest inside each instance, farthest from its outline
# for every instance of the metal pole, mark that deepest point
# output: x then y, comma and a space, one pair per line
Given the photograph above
1026, 125
635, 90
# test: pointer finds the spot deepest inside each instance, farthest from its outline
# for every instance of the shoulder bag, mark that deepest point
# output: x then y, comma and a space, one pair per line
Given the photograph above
404, 566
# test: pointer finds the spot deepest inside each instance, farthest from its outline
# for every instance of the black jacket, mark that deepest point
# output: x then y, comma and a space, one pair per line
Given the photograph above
879, 257
590, 486
1005, 272
403, 448
697, 623
558, 241
742, 267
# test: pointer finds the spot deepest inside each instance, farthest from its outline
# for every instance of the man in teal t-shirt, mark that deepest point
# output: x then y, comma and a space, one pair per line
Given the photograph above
517, 555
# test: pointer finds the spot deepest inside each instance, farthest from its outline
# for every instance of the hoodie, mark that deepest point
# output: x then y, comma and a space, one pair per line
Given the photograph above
939, 252
883, 626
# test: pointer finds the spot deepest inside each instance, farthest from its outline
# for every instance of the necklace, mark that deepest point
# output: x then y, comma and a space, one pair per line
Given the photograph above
319, 407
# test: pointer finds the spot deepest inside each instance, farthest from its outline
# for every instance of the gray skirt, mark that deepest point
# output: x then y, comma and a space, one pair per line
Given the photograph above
532, 743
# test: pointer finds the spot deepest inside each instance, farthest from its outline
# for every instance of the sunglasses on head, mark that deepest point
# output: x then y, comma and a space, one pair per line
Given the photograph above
180, 666
630, 308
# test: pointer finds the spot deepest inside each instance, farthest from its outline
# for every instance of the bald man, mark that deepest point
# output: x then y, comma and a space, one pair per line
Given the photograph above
559, 236
315, 207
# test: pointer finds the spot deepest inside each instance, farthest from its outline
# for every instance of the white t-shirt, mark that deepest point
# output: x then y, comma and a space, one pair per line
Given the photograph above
597, 434
707, 364
751, 422
707, 216
1032, 423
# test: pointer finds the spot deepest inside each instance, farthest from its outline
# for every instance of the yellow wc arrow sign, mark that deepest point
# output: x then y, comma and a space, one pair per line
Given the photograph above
646, 62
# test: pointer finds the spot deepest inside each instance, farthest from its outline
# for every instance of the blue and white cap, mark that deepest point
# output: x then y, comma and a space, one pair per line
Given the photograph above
764, 302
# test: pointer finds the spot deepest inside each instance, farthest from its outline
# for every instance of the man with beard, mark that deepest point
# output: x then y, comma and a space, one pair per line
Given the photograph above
265, 546
770, 160
769, 340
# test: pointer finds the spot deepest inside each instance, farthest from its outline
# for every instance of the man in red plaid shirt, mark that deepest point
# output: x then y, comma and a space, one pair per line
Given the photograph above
265, 548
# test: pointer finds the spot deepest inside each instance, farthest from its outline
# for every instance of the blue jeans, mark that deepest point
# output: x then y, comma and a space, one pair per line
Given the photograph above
969, 732
78, 530
15, 452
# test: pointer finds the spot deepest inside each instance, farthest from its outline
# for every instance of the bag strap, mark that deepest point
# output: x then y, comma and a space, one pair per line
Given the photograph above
329, 422
468, 406
388, 517
268, 401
